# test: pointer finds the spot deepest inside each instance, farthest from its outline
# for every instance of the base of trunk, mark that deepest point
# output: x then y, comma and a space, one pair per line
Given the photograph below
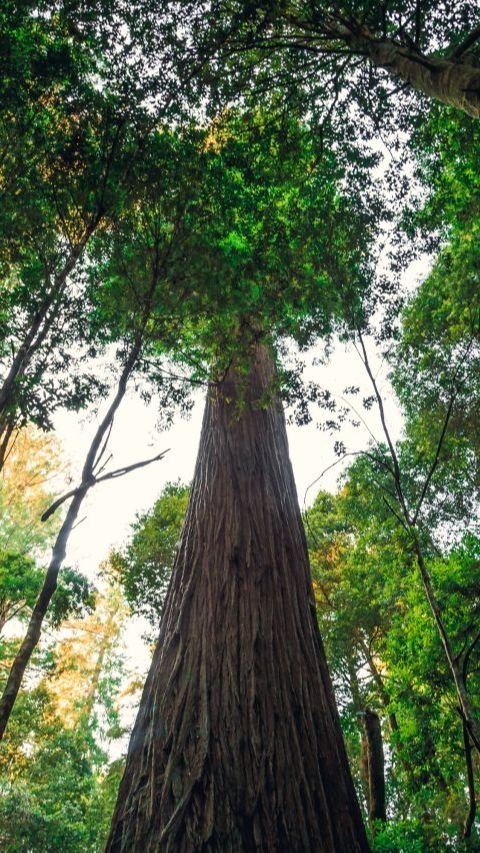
237, 744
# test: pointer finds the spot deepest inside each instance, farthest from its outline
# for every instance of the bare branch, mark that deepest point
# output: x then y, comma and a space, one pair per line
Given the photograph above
111, 475
395, 513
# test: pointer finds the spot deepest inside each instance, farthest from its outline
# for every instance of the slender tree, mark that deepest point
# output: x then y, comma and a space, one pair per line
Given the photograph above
161, 238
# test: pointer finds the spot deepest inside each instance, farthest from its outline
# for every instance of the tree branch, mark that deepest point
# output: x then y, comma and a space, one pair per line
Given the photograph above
466, 44
111, 475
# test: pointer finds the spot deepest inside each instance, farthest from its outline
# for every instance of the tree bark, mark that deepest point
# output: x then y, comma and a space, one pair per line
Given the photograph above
374, 764
237, 745
472, 801
454, 83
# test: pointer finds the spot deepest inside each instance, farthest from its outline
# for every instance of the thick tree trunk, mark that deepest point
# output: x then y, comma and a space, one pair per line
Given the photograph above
237, 744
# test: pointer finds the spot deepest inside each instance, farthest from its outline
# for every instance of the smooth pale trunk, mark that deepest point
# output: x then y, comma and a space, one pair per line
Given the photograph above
237, 744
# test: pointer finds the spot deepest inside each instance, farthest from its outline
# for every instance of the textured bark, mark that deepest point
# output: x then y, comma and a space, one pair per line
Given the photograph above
452, 82
472, 800
374, 765
237, 744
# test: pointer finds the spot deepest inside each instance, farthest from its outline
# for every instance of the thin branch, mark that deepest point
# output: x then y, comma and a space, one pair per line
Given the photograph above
467, 656
441, 439
104, 446
395, 513
436, 458
92, 481
391, 446
329, 468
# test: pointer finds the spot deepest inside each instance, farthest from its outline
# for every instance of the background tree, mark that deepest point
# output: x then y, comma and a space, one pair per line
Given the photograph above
384, 653
143, 567
57, 774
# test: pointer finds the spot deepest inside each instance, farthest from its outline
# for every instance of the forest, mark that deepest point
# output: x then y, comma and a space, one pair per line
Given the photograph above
269, 210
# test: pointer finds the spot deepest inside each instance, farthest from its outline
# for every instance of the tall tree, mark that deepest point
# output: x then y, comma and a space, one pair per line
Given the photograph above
239, 693
238, 696
384, 652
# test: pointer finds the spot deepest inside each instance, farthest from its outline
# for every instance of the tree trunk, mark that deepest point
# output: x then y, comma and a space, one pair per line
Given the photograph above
34, 628
237, 744
452, 82
472, 801
374, 765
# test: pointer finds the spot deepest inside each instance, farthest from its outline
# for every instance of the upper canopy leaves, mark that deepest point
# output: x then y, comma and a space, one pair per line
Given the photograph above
251, 229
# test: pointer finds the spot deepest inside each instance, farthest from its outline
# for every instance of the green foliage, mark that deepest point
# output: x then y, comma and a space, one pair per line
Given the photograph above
408, 836
144, 565
52, 810
21, 580
250, 229
384, 651
57, 786
436, 367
